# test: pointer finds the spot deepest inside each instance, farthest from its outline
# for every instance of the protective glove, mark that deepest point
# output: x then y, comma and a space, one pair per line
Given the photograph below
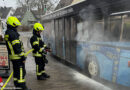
44, 51
23, 58
45, 60
48, 49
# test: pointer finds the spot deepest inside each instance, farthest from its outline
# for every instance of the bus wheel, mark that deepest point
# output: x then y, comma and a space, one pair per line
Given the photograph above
93, 68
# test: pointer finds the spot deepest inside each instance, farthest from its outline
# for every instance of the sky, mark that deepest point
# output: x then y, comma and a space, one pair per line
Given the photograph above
8, 3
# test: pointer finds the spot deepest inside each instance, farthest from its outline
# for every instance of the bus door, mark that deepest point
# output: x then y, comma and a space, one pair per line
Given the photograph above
67, 39
59, 33
61, 37
70, 42
53, 38
73, 40
56, 36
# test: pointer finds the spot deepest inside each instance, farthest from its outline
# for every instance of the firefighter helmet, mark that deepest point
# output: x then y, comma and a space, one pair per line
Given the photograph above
13, 21
38, 27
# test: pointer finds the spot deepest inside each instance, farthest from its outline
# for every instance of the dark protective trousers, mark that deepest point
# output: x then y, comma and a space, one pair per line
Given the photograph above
19, 73
40, 66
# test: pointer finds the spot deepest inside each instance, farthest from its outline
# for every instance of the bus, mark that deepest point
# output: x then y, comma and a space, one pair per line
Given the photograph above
93, 36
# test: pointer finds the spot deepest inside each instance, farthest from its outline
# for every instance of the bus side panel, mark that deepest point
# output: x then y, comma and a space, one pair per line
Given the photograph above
53, 38
67, 39
60, 38
124, 70
107, 57
56, 36
63, 38
105, 66
73, 42
80, 57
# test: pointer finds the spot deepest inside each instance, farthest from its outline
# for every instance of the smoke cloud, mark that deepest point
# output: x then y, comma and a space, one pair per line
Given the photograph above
90, 30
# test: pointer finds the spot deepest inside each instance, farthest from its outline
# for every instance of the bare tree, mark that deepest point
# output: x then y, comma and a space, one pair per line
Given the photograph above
41, 5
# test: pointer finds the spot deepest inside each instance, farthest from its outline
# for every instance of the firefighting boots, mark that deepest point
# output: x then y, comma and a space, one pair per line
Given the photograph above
41, 78
26, 88
45, 75
22, 88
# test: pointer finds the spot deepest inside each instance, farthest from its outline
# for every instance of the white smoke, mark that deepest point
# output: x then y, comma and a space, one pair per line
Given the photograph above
89, 30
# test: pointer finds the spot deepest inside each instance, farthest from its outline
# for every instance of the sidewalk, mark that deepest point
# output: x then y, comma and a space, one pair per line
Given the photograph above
62, 78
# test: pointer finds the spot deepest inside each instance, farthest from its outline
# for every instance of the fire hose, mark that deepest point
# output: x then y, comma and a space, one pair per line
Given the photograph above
12, 72
7, 81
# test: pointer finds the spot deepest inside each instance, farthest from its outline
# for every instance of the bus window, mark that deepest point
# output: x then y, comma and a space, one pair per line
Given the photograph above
115, 29
126, 31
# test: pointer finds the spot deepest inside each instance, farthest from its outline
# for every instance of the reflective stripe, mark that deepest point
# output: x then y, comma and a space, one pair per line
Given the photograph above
11, 48
6, 37
15, 41
21, 76
21, 81
21, 54
38, 73
43, 71
41, 49
37, 54
44, 46
15, 79
13, 57
21, 73
36, 42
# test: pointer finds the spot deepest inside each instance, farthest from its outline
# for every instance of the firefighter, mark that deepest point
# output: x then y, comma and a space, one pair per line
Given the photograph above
39, 51
16, 52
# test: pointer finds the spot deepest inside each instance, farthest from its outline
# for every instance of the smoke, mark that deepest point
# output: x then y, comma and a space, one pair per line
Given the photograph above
87, 82
91, 29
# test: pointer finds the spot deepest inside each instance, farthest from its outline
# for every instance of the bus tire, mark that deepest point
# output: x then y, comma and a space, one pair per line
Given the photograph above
92, 67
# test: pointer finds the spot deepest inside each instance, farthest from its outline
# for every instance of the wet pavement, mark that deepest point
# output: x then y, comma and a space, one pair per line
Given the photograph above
62, 78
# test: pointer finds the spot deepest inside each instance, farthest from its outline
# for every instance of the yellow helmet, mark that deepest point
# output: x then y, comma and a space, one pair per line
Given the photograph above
13, 21
38, 27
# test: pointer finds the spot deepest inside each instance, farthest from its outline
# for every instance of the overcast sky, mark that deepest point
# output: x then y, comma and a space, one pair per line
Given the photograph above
9, 3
